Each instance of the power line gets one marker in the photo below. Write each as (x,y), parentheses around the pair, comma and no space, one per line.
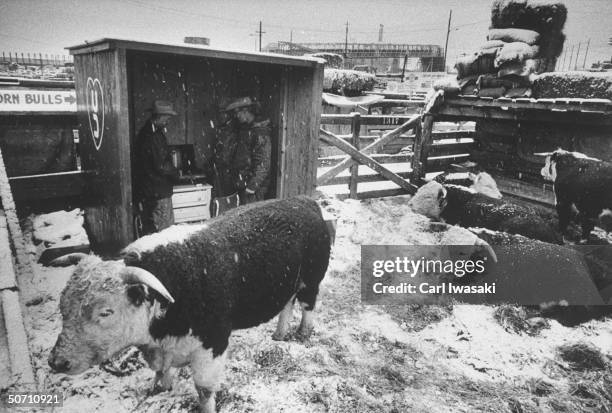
(148,5)
(470,24)
(27,39)
(282,26)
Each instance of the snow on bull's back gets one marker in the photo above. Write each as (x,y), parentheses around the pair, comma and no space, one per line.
(174,233)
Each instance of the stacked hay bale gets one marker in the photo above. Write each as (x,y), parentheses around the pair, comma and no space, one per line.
(347,82)
(585,85)
(525,38)
(547,18)
(332,60)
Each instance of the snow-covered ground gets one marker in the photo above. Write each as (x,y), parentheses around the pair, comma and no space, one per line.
(361,358)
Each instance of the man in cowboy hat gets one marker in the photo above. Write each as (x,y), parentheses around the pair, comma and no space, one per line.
(154,173)
(243,151)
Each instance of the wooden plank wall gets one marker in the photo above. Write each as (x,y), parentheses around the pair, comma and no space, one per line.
(36,144)
(302,114)
(110,220)
(508,146)
(153,77)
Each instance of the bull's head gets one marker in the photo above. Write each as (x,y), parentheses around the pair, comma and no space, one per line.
(429,200)
(483,183)
(559,160)
(549,170)
(106,306)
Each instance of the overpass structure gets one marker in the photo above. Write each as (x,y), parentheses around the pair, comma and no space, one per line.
(382,56)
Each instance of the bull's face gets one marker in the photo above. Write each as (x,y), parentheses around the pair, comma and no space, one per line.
(549,171)
(429,200)
(484,183)
(101,314)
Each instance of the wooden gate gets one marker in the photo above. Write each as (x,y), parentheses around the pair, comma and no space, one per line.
(364,156)
(380,148)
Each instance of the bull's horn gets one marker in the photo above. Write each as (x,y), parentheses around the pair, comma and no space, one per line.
(481,243)
(543,153)
(139,275)
(68,259)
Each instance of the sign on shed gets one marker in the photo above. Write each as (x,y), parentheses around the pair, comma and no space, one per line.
(35,100)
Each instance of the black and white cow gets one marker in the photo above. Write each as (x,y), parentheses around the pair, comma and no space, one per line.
(458,205)
(179,294)
(581,181)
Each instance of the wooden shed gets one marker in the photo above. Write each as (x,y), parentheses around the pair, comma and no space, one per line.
(118,80)
(510,132)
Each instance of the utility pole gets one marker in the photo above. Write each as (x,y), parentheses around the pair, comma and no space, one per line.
(585,53)
(577,54)
(450,14)
(260,33)
(346,43)
(404,68)
(291,37)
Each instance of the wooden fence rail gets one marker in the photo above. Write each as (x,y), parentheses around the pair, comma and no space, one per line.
(361,157)
(367,164)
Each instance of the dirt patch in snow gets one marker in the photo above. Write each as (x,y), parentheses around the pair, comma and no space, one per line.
(361,358)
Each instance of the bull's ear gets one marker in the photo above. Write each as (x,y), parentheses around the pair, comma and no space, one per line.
(137,294)
(441,193)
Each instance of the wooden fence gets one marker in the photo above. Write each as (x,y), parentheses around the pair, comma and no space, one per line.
(35,59)
(384,153)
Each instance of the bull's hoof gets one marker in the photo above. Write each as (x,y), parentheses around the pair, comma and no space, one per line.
(303,334)
(279,336)
(163,382)
(156,389)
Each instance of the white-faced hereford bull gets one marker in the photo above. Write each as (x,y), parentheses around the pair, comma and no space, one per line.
(581,181)
(178,295)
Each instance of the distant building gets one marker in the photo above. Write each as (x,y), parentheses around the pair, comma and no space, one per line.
(382,57)
(203,41)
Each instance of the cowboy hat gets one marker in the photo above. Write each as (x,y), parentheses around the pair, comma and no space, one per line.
(162,107)
(239,103)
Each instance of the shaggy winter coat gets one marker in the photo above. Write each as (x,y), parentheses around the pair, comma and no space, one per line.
(240,270)
(470,209)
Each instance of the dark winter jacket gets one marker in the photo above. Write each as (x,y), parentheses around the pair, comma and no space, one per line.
(243,158)
(153,170)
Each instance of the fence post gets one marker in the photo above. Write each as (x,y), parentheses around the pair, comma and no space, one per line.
(422,145)
(355,128)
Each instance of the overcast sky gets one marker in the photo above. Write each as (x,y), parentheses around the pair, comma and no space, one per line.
(48,26)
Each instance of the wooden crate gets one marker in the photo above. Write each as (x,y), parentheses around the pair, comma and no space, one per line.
(191,203)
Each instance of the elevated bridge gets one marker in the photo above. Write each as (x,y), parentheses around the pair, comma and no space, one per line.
(382,56)
(359,50)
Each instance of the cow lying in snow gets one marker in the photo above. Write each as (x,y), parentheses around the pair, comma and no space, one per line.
(482,182)
(581,181)
(458,205)
(580,275)
(179,299)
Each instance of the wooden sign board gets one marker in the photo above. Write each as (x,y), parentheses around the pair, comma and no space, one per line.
(37,100)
